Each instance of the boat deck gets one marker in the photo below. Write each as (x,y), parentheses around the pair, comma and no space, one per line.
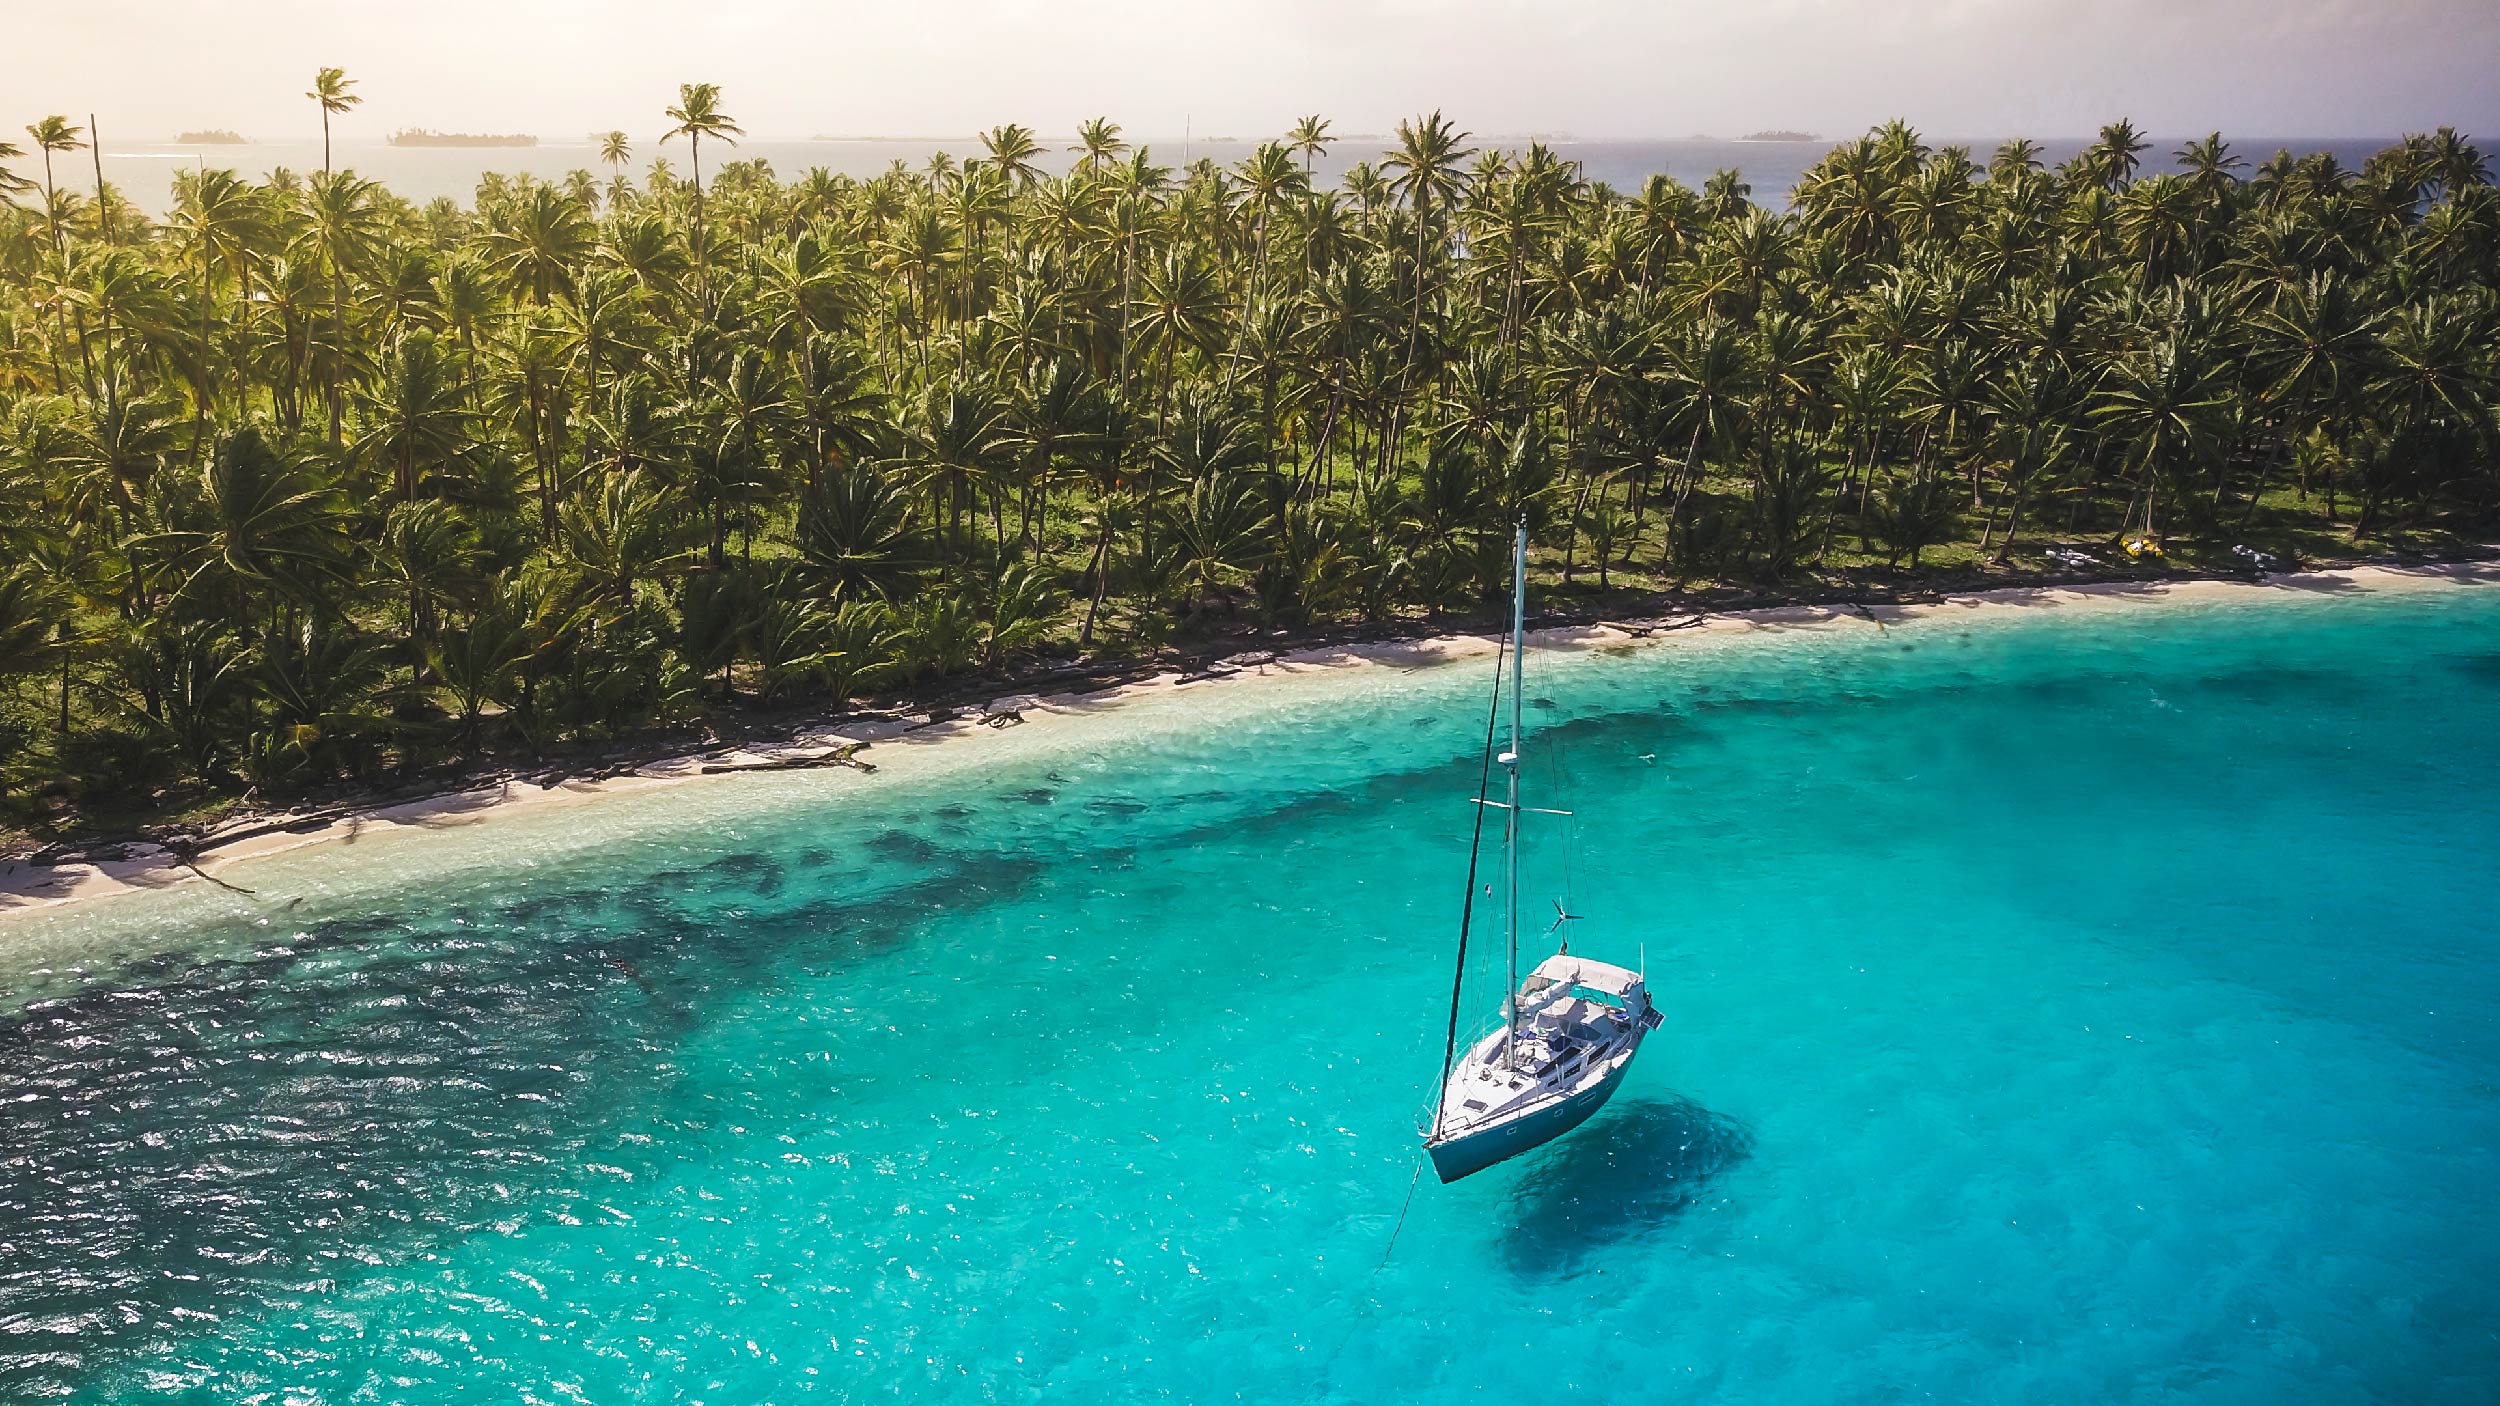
(1577,1023)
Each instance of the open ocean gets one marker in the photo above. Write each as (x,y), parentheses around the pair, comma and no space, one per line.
(2065,1005)
(144,169)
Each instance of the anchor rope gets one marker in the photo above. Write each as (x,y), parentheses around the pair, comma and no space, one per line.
(1355,1322)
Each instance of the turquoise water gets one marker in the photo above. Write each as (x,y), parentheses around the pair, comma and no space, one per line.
(2065,1005)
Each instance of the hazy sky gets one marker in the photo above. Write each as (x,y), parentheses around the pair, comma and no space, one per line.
(1596,68)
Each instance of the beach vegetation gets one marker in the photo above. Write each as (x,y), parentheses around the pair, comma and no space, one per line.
(304,486)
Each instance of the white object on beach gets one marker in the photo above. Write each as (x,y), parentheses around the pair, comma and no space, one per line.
(1568,1032)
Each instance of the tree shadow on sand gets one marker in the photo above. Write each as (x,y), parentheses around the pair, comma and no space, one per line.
(1628,1173)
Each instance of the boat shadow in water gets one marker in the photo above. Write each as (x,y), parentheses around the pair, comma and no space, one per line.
(1632,1170)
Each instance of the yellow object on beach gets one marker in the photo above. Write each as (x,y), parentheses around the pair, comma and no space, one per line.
(2144,546)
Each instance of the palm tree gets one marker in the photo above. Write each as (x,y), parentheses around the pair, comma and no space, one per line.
(12,185)
(54,133)
(1708,378)
(481,665)
(1060,413)
(2431,379)
(1180,305)
(1221,528)
(960,447)
(2113,158)
(1427,162)
(263,530)
(2209,165)
(2014,159)
(415,418)
(2312,347)
(220,219)
(2033,436)
(854,534)
(1268,183)
(1179,397)
(59,134)
(2162,405)
(28,614)
(111,461)
(330,89)
(429,557)
(1099,139)
(697,115)
(344,219)
(1012,149)
(538,241)
(615,150)
(1309,136)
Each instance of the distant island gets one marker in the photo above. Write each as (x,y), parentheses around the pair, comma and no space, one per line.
(418,136)
(1777,134)
(214,136)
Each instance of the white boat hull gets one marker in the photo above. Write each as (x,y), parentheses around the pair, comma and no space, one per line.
(1477,1149)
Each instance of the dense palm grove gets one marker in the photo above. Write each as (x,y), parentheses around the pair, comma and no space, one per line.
(304,482)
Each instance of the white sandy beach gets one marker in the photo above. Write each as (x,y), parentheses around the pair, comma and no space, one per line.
(906,746)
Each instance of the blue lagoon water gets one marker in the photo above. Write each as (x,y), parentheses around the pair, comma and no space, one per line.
(2063,1005)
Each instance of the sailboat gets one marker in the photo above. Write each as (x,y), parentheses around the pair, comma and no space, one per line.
(1567,1033)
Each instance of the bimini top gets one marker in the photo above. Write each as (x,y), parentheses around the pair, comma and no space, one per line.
(1563,969)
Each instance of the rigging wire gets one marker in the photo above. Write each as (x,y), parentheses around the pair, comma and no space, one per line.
(1467,909)
(1567,792)
(1561,786)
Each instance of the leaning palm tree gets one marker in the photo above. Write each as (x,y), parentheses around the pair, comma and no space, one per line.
(330,89)
(697,115)
(12,185)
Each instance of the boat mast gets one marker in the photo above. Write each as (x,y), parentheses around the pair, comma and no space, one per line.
(1510,763)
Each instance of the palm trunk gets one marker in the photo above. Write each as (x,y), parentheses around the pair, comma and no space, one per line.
(1102,575)
(1396,427)
(702,266)
(2013,524)
(1683,495)
(61,639)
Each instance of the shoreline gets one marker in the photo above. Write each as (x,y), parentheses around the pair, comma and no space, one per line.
(35,886)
